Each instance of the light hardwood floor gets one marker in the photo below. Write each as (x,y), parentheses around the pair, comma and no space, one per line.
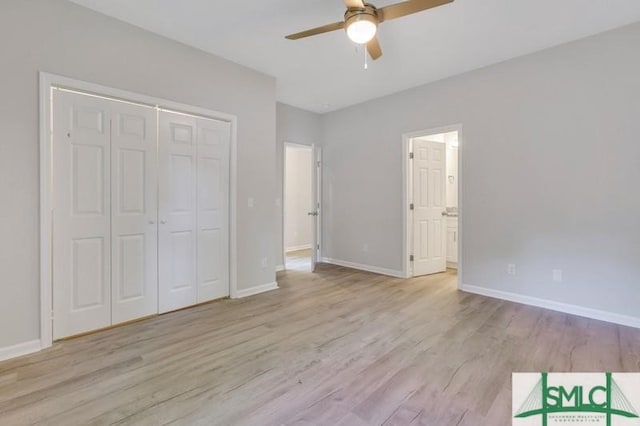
(339,347)
(299,260)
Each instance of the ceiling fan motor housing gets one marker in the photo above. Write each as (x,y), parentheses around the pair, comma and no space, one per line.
(368,13)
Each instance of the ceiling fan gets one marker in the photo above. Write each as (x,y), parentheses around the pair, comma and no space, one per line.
(361,21)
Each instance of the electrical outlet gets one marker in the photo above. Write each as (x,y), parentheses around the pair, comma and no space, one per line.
(250,202)
(265,262)
(365,248)
(511,269)
(557,275)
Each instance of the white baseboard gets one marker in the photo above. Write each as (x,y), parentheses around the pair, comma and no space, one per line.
(246,292)
(555,306)
(20,349)
(296,248)
(361,267)
(280,268)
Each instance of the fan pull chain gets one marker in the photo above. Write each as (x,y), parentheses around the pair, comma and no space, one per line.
(366,65)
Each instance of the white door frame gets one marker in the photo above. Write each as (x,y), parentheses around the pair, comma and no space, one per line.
(316,170)
(49,82)
(406,196)
(316,154)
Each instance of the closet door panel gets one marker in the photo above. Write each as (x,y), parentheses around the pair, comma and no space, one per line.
(177,211)
(81,214)
(134,230)
(213,207)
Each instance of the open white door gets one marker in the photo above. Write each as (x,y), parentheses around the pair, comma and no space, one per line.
(429,205)
(314,212)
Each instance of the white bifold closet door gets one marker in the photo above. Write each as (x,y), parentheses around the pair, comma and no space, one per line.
(134,212)
(213,209)
(193,210)
(104,212)
(82,214)
(140,211)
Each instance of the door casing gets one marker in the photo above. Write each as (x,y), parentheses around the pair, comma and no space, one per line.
(406,196)
(316,191)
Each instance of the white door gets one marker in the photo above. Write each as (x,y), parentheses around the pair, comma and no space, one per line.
(429,223)
(134,205)
(316,194)
(81,214)
(213,138)
(177,211)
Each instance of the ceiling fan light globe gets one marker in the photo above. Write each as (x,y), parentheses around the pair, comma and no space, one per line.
(361,29)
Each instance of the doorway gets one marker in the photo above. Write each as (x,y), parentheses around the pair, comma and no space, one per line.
(301,206)
(431,198)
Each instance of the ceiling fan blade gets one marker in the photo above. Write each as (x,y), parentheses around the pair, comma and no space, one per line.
(408,7)
(354,4)
(374,49)
(320,30)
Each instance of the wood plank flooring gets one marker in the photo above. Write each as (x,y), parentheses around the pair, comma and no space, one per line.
(339,347)
(299,260)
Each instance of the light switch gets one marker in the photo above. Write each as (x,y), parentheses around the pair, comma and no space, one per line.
(250,202)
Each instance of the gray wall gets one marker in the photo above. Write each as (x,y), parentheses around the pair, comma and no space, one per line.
(550,169)
(297,126)
(62,38)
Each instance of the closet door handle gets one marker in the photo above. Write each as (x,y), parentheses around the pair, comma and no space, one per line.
(163,222)
(152,222)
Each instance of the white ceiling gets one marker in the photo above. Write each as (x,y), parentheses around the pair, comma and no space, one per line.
(326,72)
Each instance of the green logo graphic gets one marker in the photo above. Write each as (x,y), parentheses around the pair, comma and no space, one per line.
(608,400)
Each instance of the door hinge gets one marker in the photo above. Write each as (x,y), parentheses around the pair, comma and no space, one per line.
(411,258)
(411,156)
(318,247)
(318,163)
(411,206)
